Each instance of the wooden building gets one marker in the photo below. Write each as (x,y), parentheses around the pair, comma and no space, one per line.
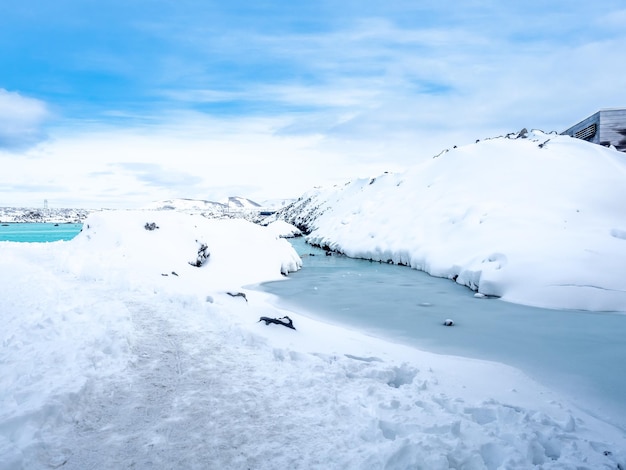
(606,127)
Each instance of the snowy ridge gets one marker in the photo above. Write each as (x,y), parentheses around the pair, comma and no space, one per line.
(532,218)
(229,208)
(183,205)
(241,203)
(232,203)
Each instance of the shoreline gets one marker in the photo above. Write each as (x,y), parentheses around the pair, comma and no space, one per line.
(595,404)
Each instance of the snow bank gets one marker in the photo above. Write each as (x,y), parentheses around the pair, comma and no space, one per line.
(64,320)
(160,249)
(137,345)
(280,228)
(535,218)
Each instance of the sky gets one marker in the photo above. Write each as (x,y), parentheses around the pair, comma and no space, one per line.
(119,104)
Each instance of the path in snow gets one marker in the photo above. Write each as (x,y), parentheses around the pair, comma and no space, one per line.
(189,399)
(202,392)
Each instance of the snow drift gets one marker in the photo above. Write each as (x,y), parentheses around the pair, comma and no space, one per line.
(121,248)
(533,218)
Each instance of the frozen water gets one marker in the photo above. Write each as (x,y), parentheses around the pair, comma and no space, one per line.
(576,352)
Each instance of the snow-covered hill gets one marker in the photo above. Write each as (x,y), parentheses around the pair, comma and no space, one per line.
(232,207)
(235,202)
(193,206)
(532,218)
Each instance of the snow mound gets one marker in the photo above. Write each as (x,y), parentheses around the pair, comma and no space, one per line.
(532,218)
(280,228)
(120,249)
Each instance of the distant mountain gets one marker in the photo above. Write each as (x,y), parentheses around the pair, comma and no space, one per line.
(235,202)
(232,207)
(276,204)
(187,205)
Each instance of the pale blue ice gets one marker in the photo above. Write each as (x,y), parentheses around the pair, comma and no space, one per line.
(579,354)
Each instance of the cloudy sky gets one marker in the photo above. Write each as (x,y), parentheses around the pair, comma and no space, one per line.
(125,102)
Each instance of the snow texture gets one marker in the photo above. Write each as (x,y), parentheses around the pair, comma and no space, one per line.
(536,219)
(283,229)
(117,353)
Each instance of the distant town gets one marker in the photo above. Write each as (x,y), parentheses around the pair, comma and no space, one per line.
(35,215)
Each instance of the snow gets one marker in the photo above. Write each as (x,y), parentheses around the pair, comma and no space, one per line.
(534,218)
(280,228)
(237,202)
(118,352)
(231,207)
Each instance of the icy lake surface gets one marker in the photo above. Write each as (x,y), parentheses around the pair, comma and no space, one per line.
(580,354)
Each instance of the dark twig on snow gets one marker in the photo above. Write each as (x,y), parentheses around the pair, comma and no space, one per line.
(238,294)
(285,321)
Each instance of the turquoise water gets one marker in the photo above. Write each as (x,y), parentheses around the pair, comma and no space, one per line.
(27,232)
(582,354)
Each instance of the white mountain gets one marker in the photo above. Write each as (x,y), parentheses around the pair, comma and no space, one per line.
(231,207)
(188,205)
(240,203)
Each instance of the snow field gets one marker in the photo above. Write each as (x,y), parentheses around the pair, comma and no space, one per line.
(130,368)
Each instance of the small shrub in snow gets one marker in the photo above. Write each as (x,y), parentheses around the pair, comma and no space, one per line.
(150,226)
(203,255)
(238,294)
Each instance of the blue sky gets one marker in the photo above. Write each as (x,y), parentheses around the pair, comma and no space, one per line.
(120,103)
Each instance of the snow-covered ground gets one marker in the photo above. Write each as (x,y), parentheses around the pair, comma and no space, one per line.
(280,228)
(533,218)
(132,346)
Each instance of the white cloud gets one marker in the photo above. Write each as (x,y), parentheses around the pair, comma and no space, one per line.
(189,156)
(21,120)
